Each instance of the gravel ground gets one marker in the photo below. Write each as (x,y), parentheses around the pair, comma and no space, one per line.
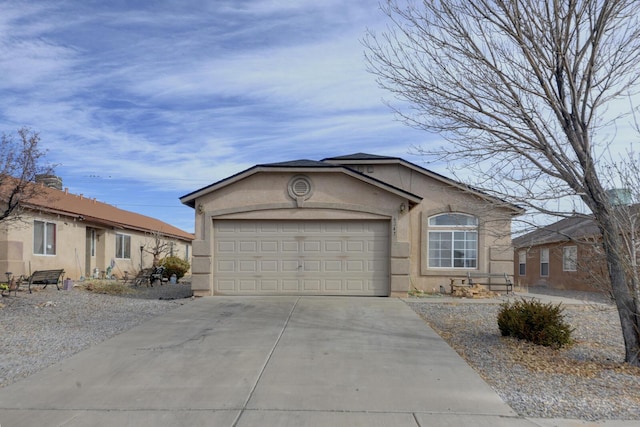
(587,381)
(47,326)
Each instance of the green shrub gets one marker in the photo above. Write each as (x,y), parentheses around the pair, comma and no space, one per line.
(534,321)
(175,265)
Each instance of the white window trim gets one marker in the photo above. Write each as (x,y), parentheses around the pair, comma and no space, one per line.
(522,262)
(93,241)
(565,258)
(44,237)
(544,260)
(453,229)
(116,247)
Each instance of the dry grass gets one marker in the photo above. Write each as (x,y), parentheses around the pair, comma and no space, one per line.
(538,358)
(107,287)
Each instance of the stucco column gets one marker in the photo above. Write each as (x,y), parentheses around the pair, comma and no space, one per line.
(201,278)
(400,269)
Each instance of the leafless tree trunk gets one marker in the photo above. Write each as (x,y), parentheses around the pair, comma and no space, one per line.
(523,91)
(20,162)
(157,246)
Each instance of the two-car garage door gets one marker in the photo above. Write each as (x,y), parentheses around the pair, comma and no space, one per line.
(301,257)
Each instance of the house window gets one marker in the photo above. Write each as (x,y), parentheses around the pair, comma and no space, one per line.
(522,263)
(44,238)
(453,241)
(186,252)
(123,246)
(93,243)
(544,262)
(570,258)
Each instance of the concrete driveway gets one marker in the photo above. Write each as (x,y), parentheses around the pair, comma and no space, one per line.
(264,361)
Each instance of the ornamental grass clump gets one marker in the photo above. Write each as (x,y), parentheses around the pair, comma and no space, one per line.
(539,323)
(108,287)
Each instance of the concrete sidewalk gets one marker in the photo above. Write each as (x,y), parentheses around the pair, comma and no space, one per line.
(265,361)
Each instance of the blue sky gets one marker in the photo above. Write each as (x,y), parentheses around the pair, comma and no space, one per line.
(142,102)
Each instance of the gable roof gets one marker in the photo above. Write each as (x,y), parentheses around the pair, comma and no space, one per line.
(51,200)
(365,158)
(361,156)
(299,166)
(567,229)
(340,163)
(303,163)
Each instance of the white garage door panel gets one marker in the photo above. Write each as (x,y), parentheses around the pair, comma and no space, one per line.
(302,257)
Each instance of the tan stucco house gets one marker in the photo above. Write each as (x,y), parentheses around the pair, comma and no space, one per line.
(87,238)
(360,224)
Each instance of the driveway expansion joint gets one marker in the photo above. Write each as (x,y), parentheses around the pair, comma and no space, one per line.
(264,366)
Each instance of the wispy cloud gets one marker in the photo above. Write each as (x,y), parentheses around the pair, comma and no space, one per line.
(139,102)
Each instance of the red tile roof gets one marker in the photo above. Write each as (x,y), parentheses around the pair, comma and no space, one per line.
(52,200)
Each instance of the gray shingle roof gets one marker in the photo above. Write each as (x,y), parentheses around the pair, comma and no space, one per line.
(302,163)
(567,229)
(362,156)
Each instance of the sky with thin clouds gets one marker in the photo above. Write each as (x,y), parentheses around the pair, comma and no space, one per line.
(139,102)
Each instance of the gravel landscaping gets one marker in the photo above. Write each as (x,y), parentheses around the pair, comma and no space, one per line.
(587,381)
(47,326)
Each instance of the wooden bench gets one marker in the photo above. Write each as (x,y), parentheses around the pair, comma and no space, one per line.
(485,279)
(46,277)
(143,276)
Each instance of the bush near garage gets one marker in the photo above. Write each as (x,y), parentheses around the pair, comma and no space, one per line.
(175,265)
(539,323)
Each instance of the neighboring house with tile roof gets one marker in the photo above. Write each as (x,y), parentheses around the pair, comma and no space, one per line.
(360,224)
(562,255)
(83,236)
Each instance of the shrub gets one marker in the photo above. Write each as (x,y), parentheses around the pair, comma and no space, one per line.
(534,321)
(175,265)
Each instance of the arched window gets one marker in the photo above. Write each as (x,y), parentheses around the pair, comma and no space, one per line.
(453,241)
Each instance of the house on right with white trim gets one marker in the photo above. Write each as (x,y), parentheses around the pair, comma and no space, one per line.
(563,255)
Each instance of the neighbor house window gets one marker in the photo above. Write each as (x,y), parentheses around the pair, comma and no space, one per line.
(522,263)
(186,252)
(44,238)
(123,246)
(570,258)
(544,262)
(453,241)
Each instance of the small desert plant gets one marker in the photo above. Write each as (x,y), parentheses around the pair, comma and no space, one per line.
(175,265)
(107,287)
(534,321)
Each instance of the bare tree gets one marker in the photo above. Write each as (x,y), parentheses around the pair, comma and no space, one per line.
(157,246)
(21,160)
(523,91)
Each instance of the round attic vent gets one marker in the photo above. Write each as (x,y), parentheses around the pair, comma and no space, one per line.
(300,187)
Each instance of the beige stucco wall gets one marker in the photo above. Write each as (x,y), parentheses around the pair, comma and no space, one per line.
(72,252)
(340,196)
(495,254)
(265,196)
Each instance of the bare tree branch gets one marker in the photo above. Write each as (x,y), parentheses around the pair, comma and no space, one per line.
(521,90)
(21,161)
